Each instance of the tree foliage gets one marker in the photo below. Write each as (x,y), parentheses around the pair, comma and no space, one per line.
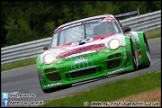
(18,30)
(23,21)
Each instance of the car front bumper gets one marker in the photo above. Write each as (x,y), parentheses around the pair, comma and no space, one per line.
(88,66)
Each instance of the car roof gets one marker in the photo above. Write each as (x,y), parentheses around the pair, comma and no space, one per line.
(84,19)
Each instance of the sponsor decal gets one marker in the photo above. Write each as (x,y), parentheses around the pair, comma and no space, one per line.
(125,55)
(78,60)
(73,24)
(116,71)
(82,69)
(110,19)
(94,47)
(55,84)
(92,21)
(139,54)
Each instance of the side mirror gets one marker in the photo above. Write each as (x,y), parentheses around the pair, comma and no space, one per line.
(53,30)
(46,47)
(126,29)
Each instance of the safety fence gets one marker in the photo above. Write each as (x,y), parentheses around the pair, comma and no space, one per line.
(32,49)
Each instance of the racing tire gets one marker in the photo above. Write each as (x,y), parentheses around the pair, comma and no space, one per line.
(147,54)
(135,64)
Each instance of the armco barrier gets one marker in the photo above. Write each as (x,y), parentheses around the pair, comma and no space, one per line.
(145,22)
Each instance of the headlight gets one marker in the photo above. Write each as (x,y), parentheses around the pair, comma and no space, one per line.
(114,44)
(49,58)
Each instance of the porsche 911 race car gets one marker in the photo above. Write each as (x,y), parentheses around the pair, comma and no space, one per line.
(90,48)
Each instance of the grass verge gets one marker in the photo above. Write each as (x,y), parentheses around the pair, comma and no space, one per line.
(18,64)
(110,91)
(153,34)
(149,35)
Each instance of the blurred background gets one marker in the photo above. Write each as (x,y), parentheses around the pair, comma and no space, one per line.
(23,21)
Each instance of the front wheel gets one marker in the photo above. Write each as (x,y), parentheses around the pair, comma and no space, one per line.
(147,54)
(135,63)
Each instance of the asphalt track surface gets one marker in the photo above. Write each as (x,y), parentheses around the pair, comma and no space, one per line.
(25,80)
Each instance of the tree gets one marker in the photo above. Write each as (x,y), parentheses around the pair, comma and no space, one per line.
(47,27)
(34,19)
(18,31)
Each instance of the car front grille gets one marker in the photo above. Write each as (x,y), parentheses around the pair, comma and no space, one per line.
(114,56)
(53,76)
(113,63)
(49,70)
(83,72)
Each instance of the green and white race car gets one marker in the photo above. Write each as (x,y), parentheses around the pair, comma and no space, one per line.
(91,48)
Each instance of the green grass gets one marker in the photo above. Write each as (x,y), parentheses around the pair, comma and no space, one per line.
(110,91)
(18,64)
(149,35)
(153,34)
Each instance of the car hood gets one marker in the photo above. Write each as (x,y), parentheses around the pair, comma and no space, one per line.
(84,46)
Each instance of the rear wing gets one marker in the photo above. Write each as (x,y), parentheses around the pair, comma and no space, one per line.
(136,12)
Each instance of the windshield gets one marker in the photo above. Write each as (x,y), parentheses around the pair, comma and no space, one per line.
(83,30)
